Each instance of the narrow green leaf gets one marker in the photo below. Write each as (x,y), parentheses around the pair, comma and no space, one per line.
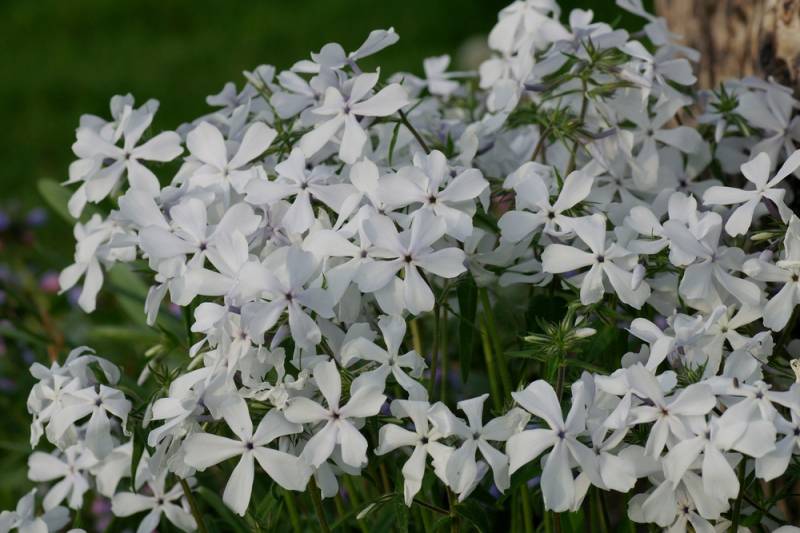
(223,513)
(138,450)
(401,514)
(473,513)
(467,293)
(393,142)
(56,197)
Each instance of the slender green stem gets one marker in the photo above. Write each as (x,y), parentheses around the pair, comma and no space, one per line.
(584,107)
(527,513)
(490,370)
(414,132)
(294,517)
(198,516)
(540,144)
(766,511)
(316,500)
(443,325)
(502,366)
(454,525)
(548,521)
(600,509)
(431,507)
(434,351)
(416,337)
(561,374)
(737,505)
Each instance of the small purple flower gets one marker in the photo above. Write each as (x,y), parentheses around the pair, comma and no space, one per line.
(28,356)
(36,217)
(49,282)
(73,295)
(7,385)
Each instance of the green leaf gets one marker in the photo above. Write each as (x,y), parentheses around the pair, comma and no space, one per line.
(401,514)
(57,197)
(393,142)
(467,293)
(130,291)
(224,514)
(476,515)
(138,450)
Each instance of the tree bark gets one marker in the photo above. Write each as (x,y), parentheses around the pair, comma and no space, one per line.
(739,38)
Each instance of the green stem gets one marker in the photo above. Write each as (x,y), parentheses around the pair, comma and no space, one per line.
(198,517)
(540,144)
(294,517)
(434,351)
(454,525)
(737,505)
(548,521)
(414,132)
(766,511)
(431,507)
(502,366)
(314,492)
(443,393)
(490,370)
(584,107)
(561,373)
(600,508)
(527,513)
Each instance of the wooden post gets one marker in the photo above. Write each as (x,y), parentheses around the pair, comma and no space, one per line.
(739,37)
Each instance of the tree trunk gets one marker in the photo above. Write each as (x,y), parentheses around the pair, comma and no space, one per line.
(739,37)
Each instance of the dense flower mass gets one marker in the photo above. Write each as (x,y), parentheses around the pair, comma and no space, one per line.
(322,225)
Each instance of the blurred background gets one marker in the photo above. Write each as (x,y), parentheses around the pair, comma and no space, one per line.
(62,59)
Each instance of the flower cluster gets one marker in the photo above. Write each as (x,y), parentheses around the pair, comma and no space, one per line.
(313,219)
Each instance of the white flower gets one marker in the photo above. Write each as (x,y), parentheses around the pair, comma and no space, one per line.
(709,262)
(333,56)
(71,471)
(296,180)
(425,439)
(409,251)
(157,502)
(757,172)
(98,402)
(533,207)
(558,487)
(24,518)
(205,449)
(779,308)
(91,145)
(669,414)
(345,112)
(339,426)
(284,279)
(560,258)
(462,470)
(430,184)
(192,234)
(92,247)
(206,143)
(393,329)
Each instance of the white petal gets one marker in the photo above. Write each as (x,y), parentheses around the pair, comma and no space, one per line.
(240,485)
